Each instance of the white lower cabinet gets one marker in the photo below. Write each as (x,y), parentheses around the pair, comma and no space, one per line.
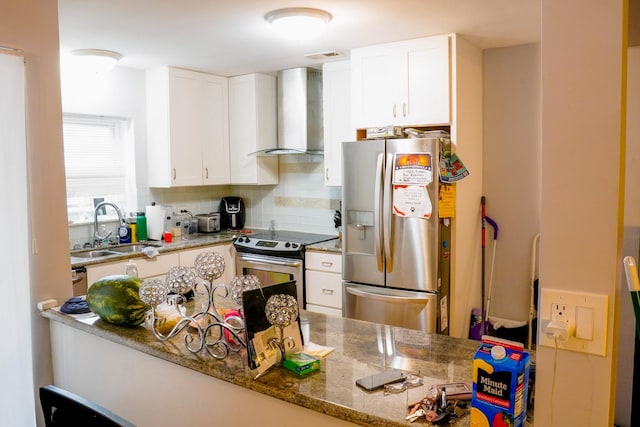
(323,282)
(188,257)
(147,267)
(157,267)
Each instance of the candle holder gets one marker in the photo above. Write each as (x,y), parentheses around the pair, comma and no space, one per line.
(206,329)
(281,311)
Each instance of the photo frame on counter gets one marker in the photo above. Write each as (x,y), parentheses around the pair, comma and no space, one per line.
(253,304)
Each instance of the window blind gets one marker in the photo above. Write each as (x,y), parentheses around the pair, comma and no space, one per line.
(96,159)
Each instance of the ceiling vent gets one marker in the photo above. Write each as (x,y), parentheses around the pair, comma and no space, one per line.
(324,55)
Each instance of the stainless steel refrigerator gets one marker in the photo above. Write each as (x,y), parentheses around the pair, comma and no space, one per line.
(392,265)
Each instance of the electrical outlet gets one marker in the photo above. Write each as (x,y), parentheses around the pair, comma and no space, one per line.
(584,314)
(559,313)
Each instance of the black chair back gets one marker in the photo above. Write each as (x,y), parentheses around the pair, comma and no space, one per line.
(65,409)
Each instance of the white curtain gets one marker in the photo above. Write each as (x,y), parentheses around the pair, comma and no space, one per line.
(17,403)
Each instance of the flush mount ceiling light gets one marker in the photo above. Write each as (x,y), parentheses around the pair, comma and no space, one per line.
(94,61)
(298,23)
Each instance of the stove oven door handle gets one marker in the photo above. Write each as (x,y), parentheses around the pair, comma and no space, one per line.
(252,259)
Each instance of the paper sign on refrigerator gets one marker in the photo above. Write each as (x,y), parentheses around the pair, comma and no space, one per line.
(412,172)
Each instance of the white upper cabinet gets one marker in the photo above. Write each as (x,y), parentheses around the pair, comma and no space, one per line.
(336,99)
(187,128)
(402,83)
(252,127)
(215,114)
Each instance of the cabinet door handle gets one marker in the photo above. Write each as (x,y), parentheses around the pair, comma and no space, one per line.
(206,173)
(404,109)
(174,174)
(327,264)
(326,173)
(394,111)
(327,291)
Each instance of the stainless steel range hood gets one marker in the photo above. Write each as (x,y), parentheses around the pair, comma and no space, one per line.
(299,113)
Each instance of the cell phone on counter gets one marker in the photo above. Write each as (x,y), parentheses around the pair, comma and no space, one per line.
(379,380)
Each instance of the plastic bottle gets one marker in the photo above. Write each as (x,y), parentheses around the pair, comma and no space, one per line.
(132,269)
(134,232)
(141,226)
(124,233)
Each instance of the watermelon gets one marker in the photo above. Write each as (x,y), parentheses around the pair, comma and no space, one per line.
(116,300)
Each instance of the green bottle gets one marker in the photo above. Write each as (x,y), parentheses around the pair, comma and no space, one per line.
(141,226)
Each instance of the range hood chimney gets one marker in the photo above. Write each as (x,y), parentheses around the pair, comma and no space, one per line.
(299,113)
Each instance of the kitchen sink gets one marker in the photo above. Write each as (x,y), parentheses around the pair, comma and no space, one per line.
(127,248)
(92,253)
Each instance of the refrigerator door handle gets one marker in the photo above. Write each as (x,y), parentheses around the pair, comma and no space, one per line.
(377,212)
(388,214)
(386,297)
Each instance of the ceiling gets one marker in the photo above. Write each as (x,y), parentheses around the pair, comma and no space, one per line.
(231,37)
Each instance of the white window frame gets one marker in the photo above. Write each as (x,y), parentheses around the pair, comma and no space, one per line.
(120,163)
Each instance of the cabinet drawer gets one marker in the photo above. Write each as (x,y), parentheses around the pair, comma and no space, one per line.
(324,310)
(147,267)
(324,261)
(324,289)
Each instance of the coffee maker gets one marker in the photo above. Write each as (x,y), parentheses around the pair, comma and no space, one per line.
(231,213)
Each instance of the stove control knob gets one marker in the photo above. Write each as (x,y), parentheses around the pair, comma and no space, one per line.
(294,245)
(286,245)
(239,239)
(247,240)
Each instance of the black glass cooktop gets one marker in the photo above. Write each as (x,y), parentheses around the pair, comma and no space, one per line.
(291,236)
(282,243)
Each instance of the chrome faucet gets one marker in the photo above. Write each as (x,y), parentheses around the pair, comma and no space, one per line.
(99,237)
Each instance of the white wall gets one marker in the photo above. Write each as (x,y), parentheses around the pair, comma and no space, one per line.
(624,377)
(511,141)
(32,25)
(120,93)
(300,201)
(582,59)
(511,181)
(15,370)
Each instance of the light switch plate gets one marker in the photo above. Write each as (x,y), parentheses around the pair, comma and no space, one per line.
(599,303)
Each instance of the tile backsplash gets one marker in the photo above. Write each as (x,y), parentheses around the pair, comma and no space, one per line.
(299,202)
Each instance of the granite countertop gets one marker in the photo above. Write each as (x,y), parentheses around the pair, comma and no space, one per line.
(192,242)
(360,349)
(334,245)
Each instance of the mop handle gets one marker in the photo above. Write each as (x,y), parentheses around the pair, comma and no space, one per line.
(494,225)
(484,222)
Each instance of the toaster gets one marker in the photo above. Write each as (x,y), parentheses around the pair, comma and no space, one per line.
(208,223)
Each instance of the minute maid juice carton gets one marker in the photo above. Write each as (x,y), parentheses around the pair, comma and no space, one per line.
(500,384)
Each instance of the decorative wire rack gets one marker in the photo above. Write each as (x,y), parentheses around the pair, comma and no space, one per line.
(207,329)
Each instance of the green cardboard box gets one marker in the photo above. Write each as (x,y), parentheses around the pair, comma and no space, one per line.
(301,363)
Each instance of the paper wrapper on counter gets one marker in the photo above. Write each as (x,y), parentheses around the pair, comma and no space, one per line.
(155,221)
(316,350)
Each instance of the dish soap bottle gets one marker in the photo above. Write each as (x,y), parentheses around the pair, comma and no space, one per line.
(124,233)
